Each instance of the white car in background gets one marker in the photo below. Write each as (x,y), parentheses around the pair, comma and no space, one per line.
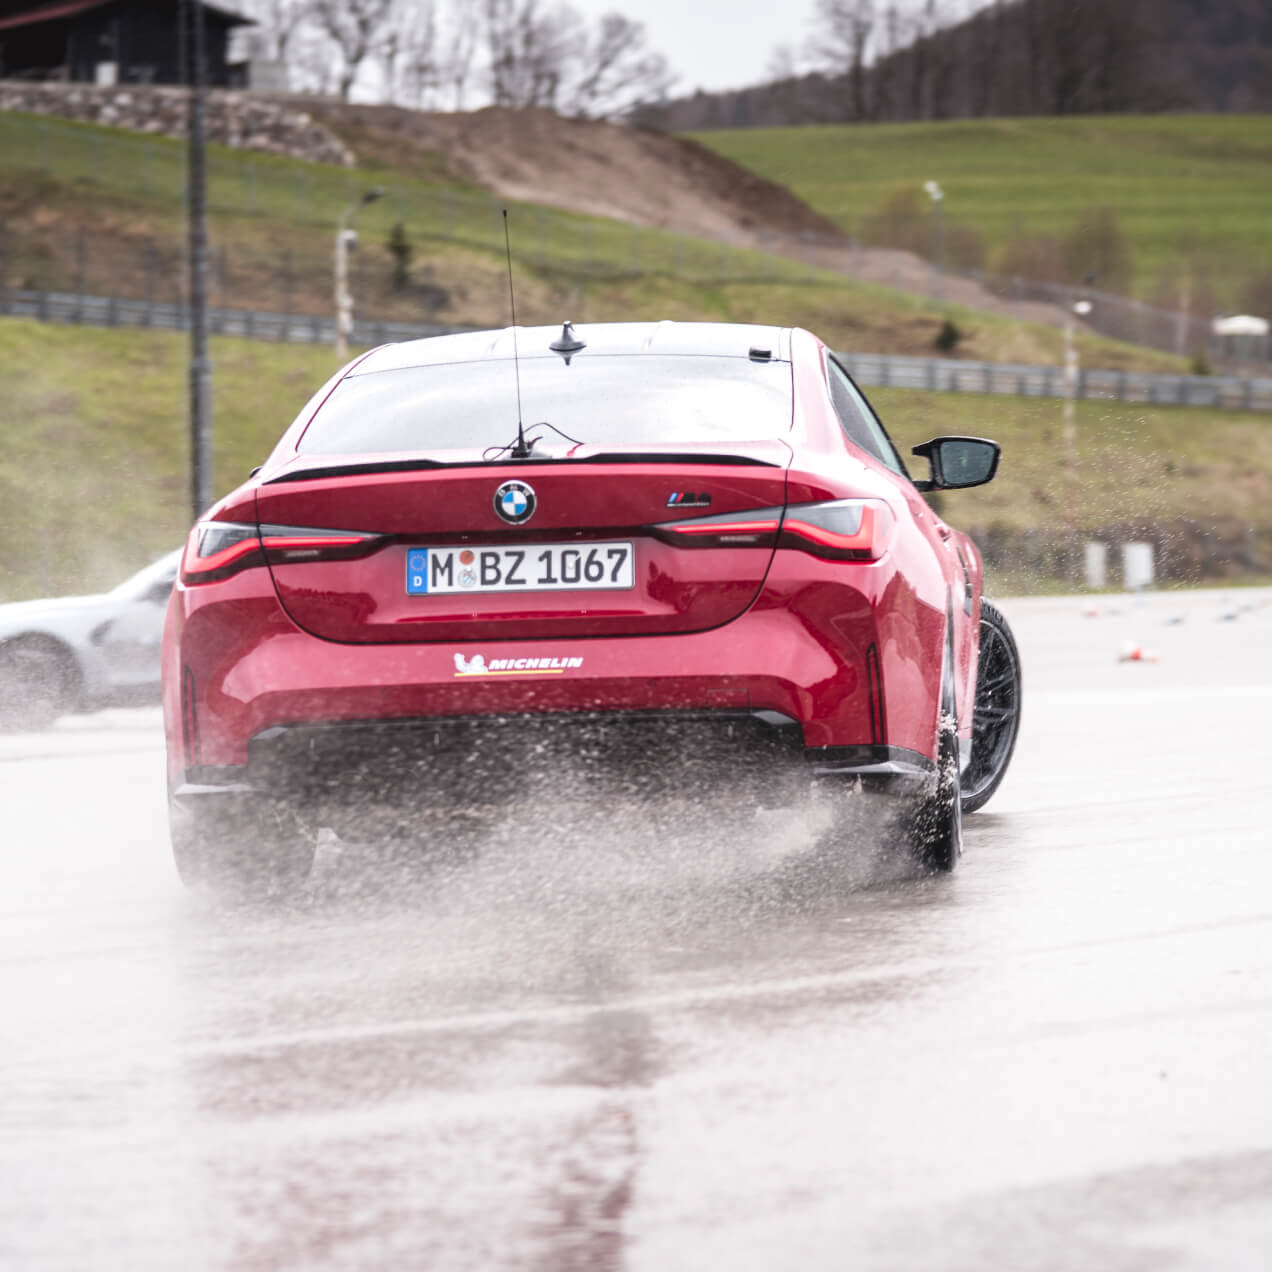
(79,653)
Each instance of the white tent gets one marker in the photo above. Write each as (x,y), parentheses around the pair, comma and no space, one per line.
(1240,325)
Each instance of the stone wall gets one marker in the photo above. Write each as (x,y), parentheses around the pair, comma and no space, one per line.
(235,119)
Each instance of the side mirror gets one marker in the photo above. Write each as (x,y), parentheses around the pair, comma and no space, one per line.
(958,462)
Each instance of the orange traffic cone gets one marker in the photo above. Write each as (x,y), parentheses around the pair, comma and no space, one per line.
(1131,652)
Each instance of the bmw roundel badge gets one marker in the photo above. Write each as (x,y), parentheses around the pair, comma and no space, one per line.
(515,502)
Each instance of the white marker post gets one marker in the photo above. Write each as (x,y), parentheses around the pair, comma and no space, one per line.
(1137,566)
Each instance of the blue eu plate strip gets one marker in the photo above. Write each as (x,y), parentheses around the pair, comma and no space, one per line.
(417,572)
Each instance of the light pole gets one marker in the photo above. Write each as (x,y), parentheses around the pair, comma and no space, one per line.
(194,57)
(346,238)
(937,195)
(1080,308)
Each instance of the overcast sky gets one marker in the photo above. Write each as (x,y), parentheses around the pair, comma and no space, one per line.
(714,44)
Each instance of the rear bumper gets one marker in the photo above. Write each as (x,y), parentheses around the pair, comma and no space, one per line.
(754,757)
(852,672)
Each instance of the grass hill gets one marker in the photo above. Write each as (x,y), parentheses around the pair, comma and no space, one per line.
(93,470)
(84,207)
(1190,192)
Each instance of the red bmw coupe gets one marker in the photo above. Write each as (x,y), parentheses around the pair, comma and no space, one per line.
(624,555)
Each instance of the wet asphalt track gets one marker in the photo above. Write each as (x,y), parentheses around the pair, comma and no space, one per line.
(620,1044)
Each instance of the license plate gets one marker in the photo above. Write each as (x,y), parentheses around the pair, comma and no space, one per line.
(538,567)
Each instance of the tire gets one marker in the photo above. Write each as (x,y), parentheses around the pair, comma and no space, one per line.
(996,715)
(936,824)
(39,681)
(241,850)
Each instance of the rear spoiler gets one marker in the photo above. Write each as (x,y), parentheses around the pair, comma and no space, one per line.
(608,457)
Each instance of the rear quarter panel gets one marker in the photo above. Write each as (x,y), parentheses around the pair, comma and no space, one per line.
(909,593)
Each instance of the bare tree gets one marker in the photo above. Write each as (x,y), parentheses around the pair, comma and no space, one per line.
(530,51)
(987,32)
(280,33)
(458,48)
(783,63)
(945,93)
(922,26)
(357,29)
(412,56)
(616,70)
(843,43)
(886,97)
(310,65)
(956,58)
(276,25)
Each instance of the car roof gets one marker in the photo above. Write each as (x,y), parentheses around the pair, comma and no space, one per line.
(703,339)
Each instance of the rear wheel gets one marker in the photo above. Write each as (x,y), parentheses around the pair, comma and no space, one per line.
(39,681)
(936,822)
(241,850)
(996,715)
(928,824)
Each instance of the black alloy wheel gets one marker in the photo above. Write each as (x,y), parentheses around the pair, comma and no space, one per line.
(936,826)
(996,714)
(936,821)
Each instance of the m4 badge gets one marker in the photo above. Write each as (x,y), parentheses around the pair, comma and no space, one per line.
(686,499)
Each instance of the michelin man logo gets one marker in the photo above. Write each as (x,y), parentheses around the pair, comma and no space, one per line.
(544,665)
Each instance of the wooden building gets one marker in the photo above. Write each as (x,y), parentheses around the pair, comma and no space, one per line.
(107,41)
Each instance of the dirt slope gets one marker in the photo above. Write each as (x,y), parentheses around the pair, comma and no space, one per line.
(630,174)
(644,177)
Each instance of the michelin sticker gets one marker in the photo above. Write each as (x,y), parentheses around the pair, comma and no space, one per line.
(478,666)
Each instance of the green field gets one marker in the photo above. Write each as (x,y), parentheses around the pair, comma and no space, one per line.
(1185,188)
(101,210)
(93,471)
(1197,482)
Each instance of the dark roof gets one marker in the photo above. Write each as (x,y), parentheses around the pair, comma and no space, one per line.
(70,8)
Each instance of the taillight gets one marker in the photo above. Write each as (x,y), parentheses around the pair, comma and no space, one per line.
(842,530)
(839,530)
(218,549)
(754,529)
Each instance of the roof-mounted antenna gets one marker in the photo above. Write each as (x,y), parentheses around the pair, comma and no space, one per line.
(520,450)
(567,344)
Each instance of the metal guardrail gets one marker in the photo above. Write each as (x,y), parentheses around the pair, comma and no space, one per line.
(939,375)
(254,324)
(1022,380)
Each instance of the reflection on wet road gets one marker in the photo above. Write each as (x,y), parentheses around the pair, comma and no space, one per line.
(633,1038)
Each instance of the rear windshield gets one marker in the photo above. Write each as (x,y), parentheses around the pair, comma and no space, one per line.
(599,401)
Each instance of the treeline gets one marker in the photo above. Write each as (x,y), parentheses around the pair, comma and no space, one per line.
(875,61)
(448,54)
